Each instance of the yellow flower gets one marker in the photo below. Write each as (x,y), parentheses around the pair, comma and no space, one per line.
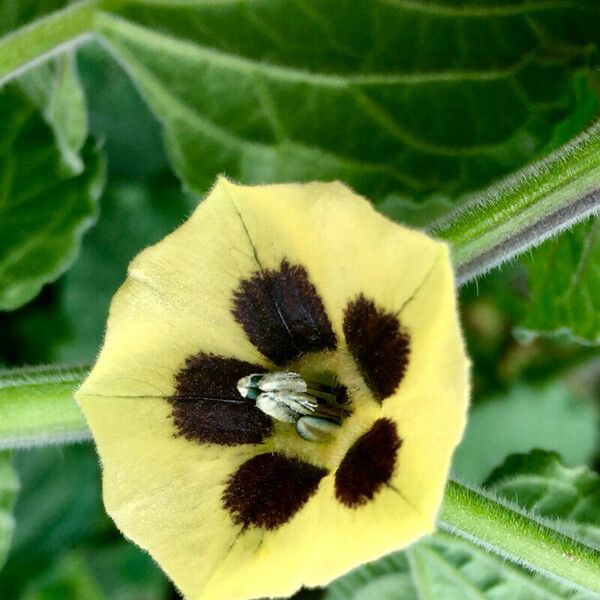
(281,387)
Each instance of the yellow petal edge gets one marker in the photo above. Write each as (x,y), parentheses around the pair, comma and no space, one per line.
(164,492)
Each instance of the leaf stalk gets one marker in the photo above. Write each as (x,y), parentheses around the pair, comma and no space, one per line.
(524,209)
(507,530)
(45,37)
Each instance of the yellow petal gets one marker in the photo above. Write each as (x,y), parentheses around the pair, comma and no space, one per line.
(166,491)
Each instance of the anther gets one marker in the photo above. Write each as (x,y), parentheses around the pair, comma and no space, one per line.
(286,396)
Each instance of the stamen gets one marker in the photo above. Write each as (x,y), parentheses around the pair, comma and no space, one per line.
(282,380)
(315,429)
(278,410)
(248,386)
(314,407)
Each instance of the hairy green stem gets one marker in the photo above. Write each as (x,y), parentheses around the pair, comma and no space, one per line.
(525,209)
(37,406)
(502,528)
(45,37)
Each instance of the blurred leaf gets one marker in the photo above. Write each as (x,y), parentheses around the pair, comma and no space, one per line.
(386,579)
(8,492)
(48,190)
(448,568)
(415,214)
(490,308)
(118,115)
(550,418)
(388,96)
(442,566)
(55,90)
(564,281)
(124,572)
(87,289)
(59,506)
(69,579)
(543,484)
(116,571)
(73,313)
(16,14)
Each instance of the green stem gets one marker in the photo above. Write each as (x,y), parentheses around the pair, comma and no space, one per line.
(499,527)
(44,37)
(37,407)
(525,209)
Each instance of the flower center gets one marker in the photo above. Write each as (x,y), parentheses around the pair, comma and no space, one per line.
(316,409)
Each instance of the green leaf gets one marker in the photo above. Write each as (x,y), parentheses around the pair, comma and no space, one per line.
(99,270)
(388,579)
(102,265)
(16,14)
(569,497)
(388,96)
(69,579)
(59,507)
(550,417)
(8,492)
(448,568)
(49,183)
(443,566)
(564,286)
(55,90)
(31,31)
(125,572)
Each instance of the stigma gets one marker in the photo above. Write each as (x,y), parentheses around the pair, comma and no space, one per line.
(316,409)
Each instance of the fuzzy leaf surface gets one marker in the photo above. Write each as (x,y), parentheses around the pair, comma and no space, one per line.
(8,492)
(50,180)
(564,285)
(550,417)
(388,96)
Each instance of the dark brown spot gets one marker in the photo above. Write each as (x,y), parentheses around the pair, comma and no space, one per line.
(207,406)
(282,313)
(368,464)
(269,489)
(378,345)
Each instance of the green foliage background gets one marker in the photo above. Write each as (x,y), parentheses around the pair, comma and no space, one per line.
(415,104)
